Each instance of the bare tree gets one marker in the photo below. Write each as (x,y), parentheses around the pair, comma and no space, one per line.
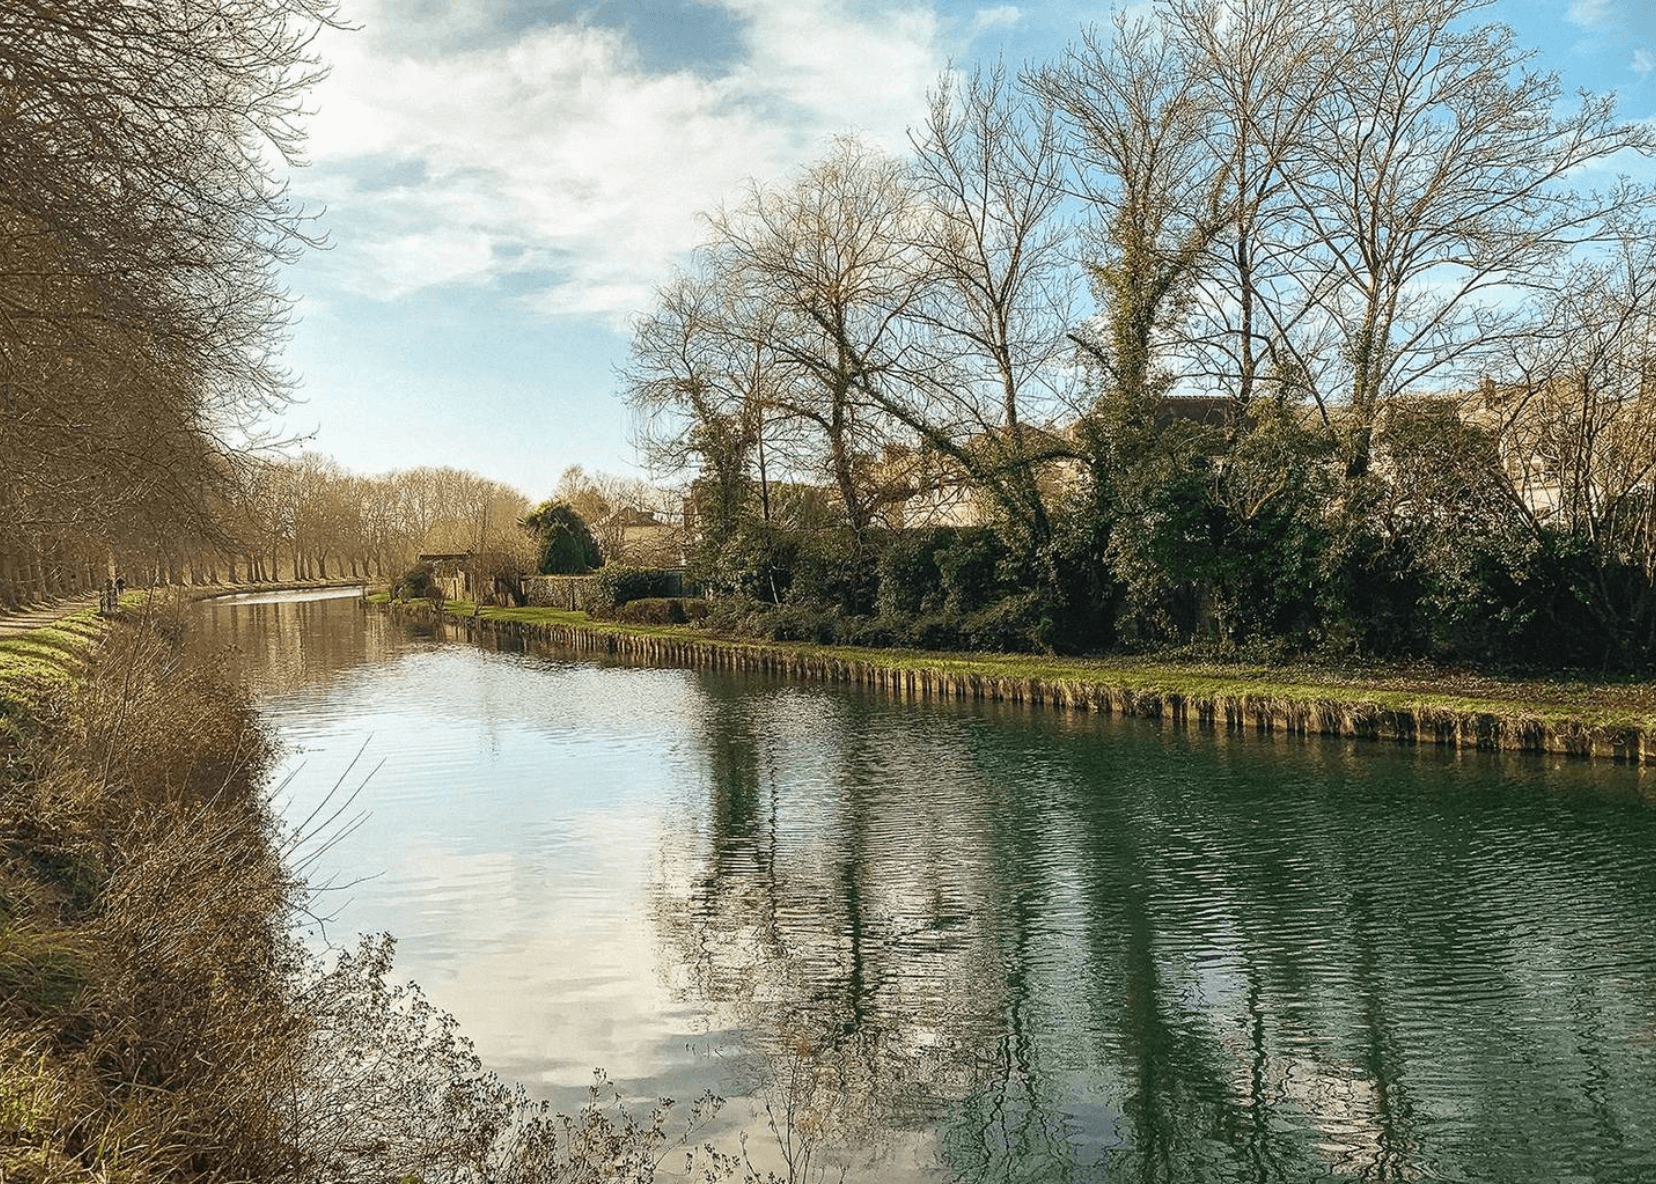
(1259,70)
(1140,142)
(1434,183)
(829,284)
(1577,419)
(141,221)
(701,392)
(990,167)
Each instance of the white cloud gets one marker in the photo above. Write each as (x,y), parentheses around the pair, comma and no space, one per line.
(1616,22)
(1004,16)
(1589,14)
(557,153)
(1644,61)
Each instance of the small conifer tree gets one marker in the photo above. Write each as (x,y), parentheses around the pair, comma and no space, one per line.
(567,547)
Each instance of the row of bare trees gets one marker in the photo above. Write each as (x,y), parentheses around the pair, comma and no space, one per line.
(1342,201)
(143,216)
(311,519)
(1315,212)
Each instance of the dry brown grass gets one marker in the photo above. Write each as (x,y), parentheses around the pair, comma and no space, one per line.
(159,1019)
(146,907)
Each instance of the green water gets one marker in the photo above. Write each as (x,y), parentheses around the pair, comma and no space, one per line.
(976,943)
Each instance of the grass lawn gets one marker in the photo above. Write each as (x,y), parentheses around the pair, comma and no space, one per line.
(34,664)
(1557,701)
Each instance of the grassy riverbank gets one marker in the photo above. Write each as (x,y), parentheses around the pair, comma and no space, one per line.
(40,663)
(143,1018)
(162,1015)
(1609,719)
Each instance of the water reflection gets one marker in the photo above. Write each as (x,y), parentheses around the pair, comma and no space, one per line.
(1085,950)
(991,944)
(289,639)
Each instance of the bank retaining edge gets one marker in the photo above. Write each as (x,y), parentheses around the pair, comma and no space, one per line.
(1483,730)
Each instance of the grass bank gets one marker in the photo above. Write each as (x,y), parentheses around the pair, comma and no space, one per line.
(1412,705)
(162,1017)
(40,664)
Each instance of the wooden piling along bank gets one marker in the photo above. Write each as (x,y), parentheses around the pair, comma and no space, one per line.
(1490,731)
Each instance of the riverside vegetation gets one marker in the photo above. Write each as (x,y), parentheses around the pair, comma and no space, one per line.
(1364,375)
(162,1016)
(1401,702)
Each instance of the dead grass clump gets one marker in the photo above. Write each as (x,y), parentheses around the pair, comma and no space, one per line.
(144,960)
(394,1091)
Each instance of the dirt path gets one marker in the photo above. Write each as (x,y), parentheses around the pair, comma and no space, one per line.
(13,624)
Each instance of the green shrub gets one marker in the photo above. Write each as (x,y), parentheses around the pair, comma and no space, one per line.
(909,579)
(884,631)
(936,631)
(650,610)
(836,567)
(415,583)
(567,546)
(969,567)
(811,623)
(1015,624)
(615,586)
(728,614)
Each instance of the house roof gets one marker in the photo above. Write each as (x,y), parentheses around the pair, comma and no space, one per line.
(1214,411)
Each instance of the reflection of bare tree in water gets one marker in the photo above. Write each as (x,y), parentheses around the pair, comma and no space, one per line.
(1219,1088)
(861,964)
(908,978)
(283,646)
(1066,962)
(1009,1127)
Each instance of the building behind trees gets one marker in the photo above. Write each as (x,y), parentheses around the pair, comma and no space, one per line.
(1361,234)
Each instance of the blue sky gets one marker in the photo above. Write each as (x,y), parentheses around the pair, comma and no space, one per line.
(506,182)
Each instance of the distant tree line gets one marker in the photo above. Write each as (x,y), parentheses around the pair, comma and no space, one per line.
(1277,326)
(307,518)
(311,519)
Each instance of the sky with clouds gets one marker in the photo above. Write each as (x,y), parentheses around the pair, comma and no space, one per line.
(506,181)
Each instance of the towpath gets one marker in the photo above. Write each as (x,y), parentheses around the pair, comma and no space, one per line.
(39,616)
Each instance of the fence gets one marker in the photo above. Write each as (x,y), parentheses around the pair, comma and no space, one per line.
(575,592)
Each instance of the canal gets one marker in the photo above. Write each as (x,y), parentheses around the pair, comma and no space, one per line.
(977,942)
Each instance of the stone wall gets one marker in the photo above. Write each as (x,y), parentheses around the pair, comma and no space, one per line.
(566,592)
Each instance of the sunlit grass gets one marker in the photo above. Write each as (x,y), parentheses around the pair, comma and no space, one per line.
(39,662)
(1558,703)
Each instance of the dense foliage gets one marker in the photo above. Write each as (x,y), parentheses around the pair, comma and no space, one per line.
(1312,409)
(1255,545)
(567,547)
(615,586)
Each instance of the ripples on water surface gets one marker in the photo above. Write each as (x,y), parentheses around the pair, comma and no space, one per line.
(1012,945)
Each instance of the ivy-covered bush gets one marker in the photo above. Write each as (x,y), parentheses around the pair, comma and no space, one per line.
(837,568)
(415,583)
(651,610)
(969,569)
(567,547)
(909,578)
(1014,624)
(613,587)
